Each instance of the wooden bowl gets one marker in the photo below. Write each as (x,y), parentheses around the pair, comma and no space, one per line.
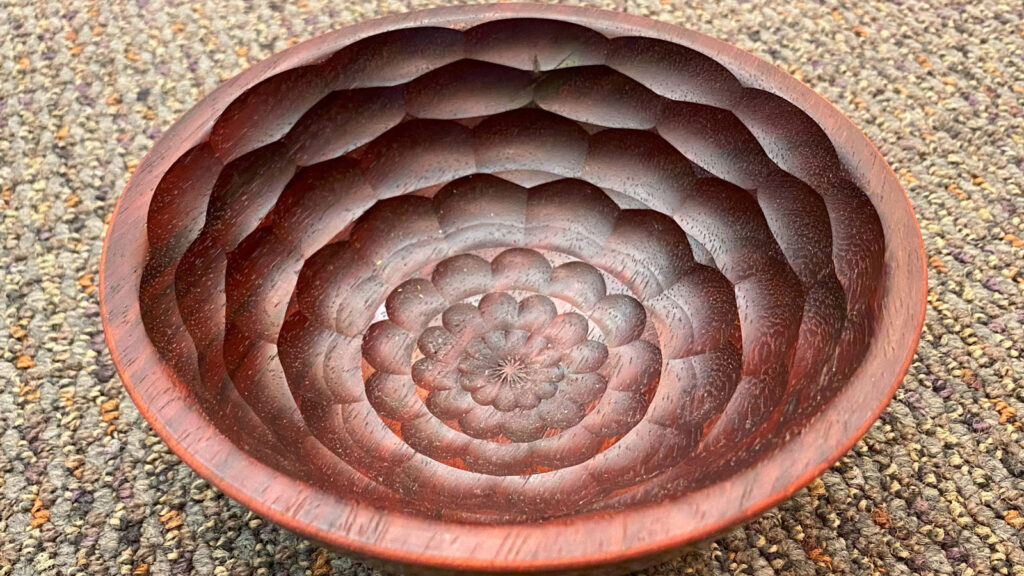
(512,288)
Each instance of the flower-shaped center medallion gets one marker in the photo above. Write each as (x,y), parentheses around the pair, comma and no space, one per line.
(516,377)
(511,365)
(522,368)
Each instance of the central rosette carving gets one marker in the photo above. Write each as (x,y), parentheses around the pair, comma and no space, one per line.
(521,367)
(511,366)
(508,369)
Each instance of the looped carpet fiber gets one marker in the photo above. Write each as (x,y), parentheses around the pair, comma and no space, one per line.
(85,88)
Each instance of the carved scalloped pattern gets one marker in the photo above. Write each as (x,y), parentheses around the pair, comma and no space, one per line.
(512,272)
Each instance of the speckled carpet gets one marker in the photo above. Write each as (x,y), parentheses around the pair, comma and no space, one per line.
(934,488)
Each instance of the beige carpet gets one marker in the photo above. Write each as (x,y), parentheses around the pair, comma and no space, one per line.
(85,87)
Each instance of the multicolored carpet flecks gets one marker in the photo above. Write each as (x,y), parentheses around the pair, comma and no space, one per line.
(936,486)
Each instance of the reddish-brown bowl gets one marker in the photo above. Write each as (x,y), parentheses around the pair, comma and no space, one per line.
(512,288)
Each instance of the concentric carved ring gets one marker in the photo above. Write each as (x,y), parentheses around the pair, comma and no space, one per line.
(510,270)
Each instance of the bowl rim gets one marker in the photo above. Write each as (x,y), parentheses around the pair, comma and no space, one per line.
(573,542)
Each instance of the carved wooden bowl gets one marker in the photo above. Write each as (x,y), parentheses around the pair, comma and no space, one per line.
(512,288)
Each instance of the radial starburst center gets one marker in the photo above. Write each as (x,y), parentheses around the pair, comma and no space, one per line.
(512,370)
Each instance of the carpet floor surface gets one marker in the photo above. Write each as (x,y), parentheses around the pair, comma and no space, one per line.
(936,486)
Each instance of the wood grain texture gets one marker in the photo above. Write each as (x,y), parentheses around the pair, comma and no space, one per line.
(512,288)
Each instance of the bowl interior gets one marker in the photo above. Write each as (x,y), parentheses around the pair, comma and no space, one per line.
(510,272)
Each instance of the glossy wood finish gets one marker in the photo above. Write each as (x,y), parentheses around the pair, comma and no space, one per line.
(512,288)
